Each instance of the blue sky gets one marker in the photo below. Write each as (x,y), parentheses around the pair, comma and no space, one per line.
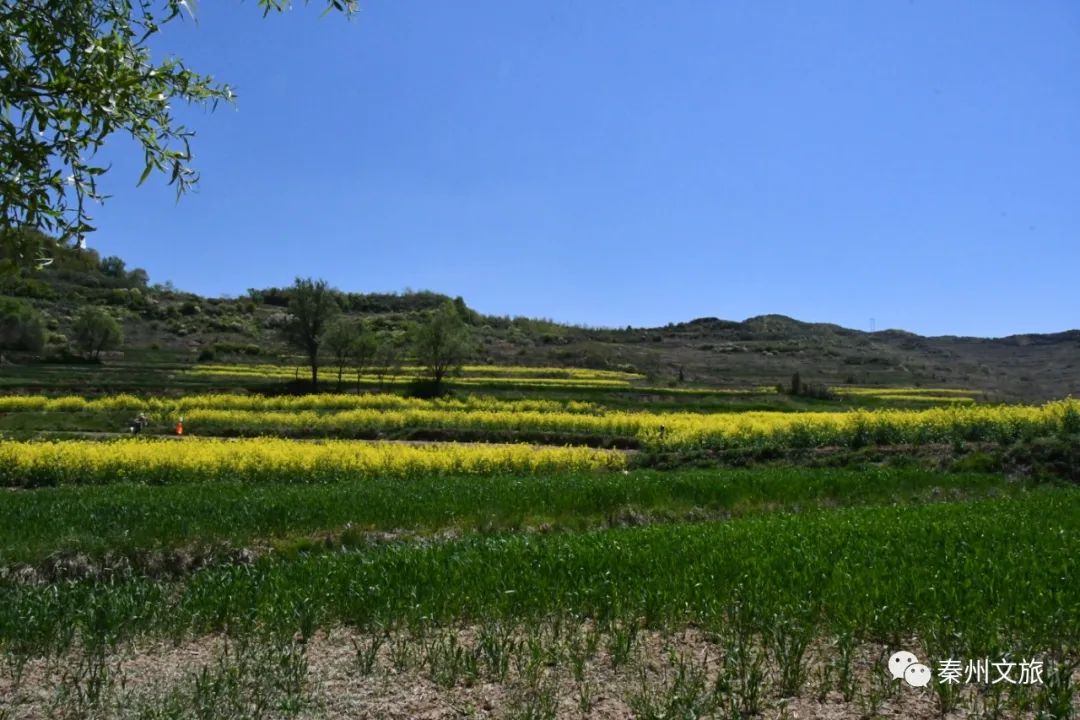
(627,163)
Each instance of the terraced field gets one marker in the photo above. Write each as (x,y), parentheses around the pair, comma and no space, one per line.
(571,560)
(391,416)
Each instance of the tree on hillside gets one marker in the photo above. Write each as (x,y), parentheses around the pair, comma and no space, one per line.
(311,308)
(388,357)
(364,348)
(441,343)
(96,330)
(21,327)
(113,267)
(72,74)
(470,316)
(341,336)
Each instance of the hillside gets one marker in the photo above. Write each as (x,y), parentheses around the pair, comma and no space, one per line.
(165,323)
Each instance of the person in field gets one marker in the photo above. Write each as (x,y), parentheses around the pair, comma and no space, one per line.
(140,422)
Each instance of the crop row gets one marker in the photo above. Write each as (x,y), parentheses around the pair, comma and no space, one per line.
(966,579)
(905,391)
(365,416)
(470,375)
(1003,424)
(518,371)
(286,403)
(32,464)
(928,399)
(133,518)
(940,396)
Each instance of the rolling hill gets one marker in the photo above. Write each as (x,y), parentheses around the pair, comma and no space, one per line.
(765,350)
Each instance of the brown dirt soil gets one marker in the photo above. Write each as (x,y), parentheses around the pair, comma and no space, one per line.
(540,681)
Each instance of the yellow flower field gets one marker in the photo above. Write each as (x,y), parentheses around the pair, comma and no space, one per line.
(1000,423)
(912,391)
(366,416)
(276,460)
(470,375)
(911,394)
(286,403)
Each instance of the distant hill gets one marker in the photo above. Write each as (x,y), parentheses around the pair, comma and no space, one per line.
(765,349)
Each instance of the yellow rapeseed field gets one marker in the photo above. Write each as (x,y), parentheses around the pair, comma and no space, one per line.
(889,391)
(277,460)
(372,415)
(470,375)
(285,403)
(1001,423)
(910,394)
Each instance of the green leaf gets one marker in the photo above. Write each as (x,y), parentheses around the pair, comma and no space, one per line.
(145,174)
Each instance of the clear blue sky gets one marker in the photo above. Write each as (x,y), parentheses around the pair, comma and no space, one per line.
(610,162)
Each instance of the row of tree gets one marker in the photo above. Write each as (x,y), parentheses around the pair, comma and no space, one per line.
(439,343)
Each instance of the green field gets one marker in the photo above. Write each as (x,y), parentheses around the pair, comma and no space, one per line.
(279,576)
(129,518)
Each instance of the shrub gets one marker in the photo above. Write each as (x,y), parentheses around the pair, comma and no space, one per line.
(118,296)
(818,391)
(1046,457)
(231,348)
(28,288)
(21,327)
(425,388)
